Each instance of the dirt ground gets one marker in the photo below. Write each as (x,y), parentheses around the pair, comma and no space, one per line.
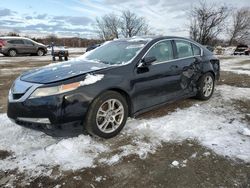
(206,169)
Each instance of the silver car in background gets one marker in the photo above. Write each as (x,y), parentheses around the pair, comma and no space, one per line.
(13,46)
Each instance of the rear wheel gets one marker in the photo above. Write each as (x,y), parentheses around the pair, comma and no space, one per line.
(40,52)
(12,53)
(107,115)
(206,86)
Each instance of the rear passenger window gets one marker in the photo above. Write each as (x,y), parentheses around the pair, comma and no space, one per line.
(196,50)
(16,42)
(162,51)
(184,49)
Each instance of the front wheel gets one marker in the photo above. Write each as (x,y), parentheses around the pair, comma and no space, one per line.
(40,52)
(205,86)
(107,115)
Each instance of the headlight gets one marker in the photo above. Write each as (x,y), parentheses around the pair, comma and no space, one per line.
(47,91)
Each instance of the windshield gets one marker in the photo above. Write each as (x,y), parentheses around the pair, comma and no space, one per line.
(116,52)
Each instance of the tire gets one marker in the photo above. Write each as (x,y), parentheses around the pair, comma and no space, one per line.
(101,115)
(12,53)
(40,52)
(205,86)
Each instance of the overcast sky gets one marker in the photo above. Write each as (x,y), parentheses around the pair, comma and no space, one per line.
(77,17)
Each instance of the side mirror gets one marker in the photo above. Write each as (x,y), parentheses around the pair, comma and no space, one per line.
(146,61)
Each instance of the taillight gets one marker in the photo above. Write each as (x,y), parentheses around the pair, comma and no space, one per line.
(2,43)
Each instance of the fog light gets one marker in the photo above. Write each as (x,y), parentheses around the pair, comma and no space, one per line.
(35,120)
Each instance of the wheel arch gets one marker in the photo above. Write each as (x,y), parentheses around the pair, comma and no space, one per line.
(126,96)
(205,72)
(13,49)
(210,71)
(40,48)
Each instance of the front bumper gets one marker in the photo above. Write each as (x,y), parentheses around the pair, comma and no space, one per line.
(58,130)
(57,115)
(2,51)
(53,118)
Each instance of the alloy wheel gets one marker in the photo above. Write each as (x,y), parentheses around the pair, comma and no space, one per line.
(110,116)
(12,53)
(40,53)
(208,86)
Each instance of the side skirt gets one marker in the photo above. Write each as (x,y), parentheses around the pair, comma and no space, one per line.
(161,104)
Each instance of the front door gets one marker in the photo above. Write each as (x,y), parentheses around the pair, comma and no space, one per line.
(159,82)
(29,47)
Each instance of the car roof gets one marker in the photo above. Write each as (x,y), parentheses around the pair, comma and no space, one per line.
(154,38)
(9,37)
(242,45)
(151,38)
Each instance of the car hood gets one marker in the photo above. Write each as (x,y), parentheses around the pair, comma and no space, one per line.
(61,71)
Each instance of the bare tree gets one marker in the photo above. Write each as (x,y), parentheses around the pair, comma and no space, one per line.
(108,26)
(128,24)
(13,34)
(132,24)
(207,21)
(239,31)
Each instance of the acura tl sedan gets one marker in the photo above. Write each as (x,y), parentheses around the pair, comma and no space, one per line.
(97,92)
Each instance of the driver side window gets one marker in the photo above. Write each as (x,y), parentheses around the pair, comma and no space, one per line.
(162,51)
(27,42)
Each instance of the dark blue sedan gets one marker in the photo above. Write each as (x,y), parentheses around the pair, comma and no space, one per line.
(98,91)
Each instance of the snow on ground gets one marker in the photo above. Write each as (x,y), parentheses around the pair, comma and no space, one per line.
(12,71)
(233,64)
(215,124)
(70,50)
(76,50)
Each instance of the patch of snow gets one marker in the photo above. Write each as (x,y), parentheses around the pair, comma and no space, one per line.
(76,50)
(234,64)
(175,163)
(34,150)
(230,92)
(245,131)
(91,79)
(98,179)
(113,160)
(206,154)
(194,155)
(70,50)
(11,71)
(78,178)
(208,123)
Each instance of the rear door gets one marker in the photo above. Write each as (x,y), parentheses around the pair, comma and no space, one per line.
(17,44)
(189,67)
